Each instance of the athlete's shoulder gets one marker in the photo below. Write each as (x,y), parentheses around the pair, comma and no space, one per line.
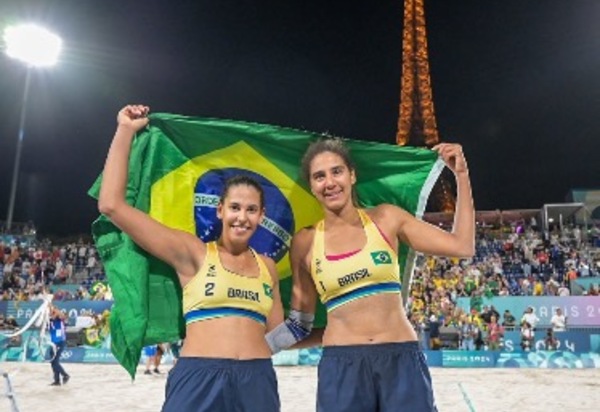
(307,232)
(270,265)
(385,211)
(303,239)
(389,218)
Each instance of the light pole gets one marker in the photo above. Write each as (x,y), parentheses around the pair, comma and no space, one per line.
(36,47)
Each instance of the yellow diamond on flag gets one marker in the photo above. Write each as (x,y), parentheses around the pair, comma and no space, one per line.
(174,198)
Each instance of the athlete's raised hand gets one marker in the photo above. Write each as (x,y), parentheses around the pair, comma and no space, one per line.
(134,117)
(453,156)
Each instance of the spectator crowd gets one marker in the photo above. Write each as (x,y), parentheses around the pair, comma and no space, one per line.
(70,271)
(511,260)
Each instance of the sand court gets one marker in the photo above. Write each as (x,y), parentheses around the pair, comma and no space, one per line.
(108,388)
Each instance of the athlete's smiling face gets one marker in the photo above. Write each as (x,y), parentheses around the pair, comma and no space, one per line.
(241,211)
(331,180)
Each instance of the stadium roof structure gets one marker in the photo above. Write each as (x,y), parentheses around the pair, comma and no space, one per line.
(555,210)
(486,217)
(547,215)
(589,197)
(561,212)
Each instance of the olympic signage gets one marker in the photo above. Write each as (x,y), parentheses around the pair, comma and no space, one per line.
(577,341)
(579,310)
(23,311)
(470,359)
(73,355)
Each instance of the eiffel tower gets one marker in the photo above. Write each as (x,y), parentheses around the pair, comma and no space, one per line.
(416,123)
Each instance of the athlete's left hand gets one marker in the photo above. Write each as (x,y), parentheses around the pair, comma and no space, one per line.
(453,156)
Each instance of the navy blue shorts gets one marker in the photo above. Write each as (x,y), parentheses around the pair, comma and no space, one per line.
(221,385)
(374,378)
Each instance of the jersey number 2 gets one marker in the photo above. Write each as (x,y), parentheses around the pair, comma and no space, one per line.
(209,289)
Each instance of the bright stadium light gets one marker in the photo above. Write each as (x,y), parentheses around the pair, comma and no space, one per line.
(36,47)
(32,44)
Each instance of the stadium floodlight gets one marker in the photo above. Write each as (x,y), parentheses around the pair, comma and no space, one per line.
(32,44)
(36,47)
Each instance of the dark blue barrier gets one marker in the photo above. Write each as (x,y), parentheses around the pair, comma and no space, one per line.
(544,359)
(73,355)
(579,341)
(451,359)
(99,356)
(434,358)
(467,359)
(87,355)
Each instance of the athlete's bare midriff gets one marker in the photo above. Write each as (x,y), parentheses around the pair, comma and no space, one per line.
(370,320)
(229,337)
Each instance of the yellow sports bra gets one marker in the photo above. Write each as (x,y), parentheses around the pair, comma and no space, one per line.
(215,292)
(370,271)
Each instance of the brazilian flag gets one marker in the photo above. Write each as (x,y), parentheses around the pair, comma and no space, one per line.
(177,169)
